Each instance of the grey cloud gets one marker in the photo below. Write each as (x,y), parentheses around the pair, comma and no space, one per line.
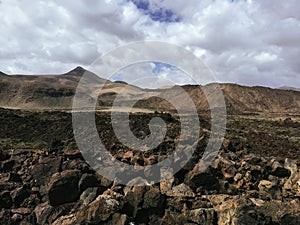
(250,42)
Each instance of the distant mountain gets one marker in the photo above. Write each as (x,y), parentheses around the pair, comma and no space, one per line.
(289,88)
(260,99)
(238,99)
(41,91)
(2,74)
(57,92)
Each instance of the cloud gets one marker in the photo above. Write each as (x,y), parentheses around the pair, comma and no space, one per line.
(243,41)
(153,75)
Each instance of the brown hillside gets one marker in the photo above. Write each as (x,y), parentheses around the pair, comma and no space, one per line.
(57,91)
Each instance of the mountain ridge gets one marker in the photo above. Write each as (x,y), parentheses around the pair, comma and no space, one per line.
(57,92)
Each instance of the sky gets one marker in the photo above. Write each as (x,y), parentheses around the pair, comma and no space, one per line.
(249,42)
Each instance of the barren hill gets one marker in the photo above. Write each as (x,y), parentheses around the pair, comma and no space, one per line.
(260,99)
(40,91)
(57,91)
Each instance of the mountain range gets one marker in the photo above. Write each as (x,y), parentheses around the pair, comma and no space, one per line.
(37,92)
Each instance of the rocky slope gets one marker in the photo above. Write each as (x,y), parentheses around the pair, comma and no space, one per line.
(45,180)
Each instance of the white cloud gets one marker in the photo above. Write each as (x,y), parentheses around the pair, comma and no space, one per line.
(248,42)
(265,57)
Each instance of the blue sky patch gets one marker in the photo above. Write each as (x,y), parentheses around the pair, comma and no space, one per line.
(117,77)
(141,4)
(160,14)
(160,67)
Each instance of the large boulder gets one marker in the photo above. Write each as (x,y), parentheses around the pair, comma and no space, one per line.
(238,210)
(267,189)
(6,200)
(290,219)
(66,220)
(19,195)
(152,198)
(42,212)
(45,168)
(278,170)
(118,219)
(181,190)
(202,180)
(292,185)
(98,211)
(134,198)
(88,180)
(89,195)
(63,187)
(201,216)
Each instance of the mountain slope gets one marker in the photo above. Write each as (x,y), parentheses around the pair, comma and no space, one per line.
(260,99)
(238,99)
(41,91)
(57,91)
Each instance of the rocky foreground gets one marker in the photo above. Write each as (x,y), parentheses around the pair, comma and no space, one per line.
(45,180)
